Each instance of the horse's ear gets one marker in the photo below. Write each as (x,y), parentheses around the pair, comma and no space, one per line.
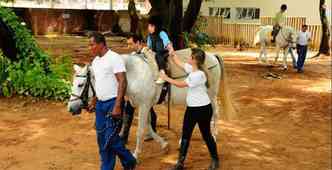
(85,69)
(77,68)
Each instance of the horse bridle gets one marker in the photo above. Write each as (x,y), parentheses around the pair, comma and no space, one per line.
(84,94)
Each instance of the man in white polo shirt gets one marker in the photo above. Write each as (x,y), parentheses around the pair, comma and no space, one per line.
(109,70)
(302,47)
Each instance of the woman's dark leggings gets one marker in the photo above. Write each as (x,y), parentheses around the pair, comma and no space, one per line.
(202,116)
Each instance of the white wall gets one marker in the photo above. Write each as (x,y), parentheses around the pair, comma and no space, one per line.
(296,8)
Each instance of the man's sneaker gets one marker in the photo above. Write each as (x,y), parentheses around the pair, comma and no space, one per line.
(299,71)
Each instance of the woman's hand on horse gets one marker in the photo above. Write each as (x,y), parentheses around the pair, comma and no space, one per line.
(172,53)
(170,49)
(163,75)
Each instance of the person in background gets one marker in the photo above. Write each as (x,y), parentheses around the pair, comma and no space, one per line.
(303,38)
(279,21)
(159,42)
(136,42)
(199,109)
(133,16)
(110,85)
(291,52)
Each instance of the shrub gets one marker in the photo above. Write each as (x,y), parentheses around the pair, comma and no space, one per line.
(34,74)
(198,37)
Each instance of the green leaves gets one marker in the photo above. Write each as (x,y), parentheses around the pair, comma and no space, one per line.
(35,82)
(34,74)
(197,36)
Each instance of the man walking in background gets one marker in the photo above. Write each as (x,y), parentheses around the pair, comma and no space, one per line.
(302,47)
(133,16)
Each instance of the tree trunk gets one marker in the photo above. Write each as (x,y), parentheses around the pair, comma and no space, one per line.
(175,30)
(133,16)
(172,13)
(191,15)
(160,8)
(325,42)
(7,43)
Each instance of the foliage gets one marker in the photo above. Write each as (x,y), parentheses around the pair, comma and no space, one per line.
(200,24)
(34,73)
(4,63)
(25,43)
(35,82)
(198,35)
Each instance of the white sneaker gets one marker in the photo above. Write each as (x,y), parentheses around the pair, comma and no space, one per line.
(160,81)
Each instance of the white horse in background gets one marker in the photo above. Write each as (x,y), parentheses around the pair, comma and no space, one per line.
(143,92)
(285,39)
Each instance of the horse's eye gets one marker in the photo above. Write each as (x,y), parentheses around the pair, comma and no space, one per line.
(80,85)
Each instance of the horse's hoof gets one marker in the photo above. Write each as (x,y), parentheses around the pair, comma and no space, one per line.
(264,61)
(165,148)
(136,157)
(148,138)
(214,137)
(138,161)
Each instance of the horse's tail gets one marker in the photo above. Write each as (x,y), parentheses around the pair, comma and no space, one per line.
(221,64)
(229,112)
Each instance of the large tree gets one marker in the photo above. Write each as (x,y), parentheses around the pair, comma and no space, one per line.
(7,43)
(326,34)
(172,13)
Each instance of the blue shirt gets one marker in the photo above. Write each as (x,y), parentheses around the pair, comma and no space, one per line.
(163,36)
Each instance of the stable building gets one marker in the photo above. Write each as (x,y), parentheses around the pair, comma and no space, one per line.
(250,11)
(73,16)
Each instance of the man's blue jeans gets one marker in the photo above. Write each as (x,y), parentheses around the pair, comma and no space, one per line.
(109,142)
(302,53)
(290,51)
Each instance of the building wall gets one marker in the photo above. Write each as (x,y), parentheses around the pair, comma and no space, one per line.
(60,21)
(74,4)
(296,8)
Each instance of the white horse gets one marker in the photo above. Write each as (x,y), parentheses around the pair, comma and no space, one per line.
(285,39)
(143,92)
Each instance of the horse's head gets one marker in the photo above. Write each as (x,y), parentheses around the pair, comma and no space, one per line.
(80,90)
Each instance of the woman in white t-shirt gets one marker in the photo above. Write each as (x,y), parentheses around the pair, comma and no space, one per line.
(199,109)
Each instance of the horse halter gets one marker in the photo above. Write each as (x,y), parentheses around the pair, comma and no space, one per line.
(85,92)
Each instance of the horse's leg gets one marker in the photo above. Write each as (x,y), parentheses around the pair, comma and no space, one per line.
(261,53)
(215,118)
(264,53)
(142,121)
(285,58)
(157,138)
(148,135)
(277,56)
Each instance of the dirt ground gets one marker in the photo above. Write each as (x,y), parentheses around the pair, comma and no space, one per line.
(279,125)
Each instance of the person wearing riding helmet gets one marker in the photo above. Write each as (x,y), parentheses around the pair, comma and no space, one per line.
(279,21)
(159,42)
